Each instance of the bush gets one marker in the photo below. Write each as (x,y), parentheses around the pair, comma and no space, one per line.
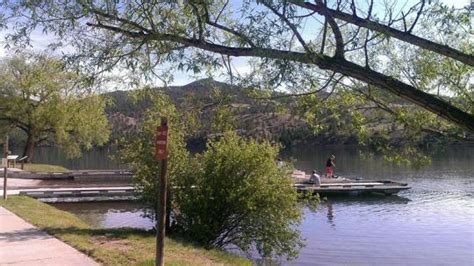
(231,194)
(234,193)
(138,150)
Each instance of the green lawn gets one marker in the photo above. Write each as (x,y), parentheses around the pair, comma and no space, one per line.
(36,167)
(113,246)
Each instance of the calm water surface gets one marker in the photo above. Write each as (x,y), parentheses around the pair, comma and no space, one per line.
(430,224)
(109,214)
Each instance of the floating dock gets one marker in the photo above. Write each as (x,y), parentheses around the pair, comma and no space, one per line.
(84,175)
(108,192)
(346,186)
(128,193)
(81,194)
(353,187)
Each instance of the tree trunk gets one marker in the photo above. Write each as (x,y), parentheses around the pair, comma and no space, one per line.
(29,149)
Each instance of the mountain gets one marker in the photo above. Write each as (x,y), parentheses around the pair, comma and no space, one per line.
(252,117)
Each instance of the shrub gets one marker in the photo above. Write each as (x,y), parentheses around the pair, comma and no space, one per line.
(234,194)
(231,194)
(138,150)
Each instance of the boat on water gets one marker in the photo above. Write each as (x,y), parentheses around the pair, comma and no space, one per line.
(340,185)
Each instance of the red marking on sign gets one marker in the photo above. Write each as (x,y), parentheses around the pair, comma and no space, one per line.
(161,142)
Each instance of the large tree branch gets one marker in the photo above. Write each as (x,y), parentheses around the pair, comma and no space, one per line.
(198,19)
(389,31)
(289,24)
(337,64)
(17,123)
(335,29)
(113,17)
(417,16)
(225,28)
(288,95)
(385,107)
(405,91)
(232,31)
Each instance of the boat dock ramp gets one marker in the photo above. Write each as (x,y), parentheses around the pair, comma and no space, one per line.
(85,194)
(84,175)
(85,191)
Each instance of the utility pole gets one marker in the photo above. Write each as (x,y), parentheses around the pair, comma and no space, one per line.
(161,154)
(5,170)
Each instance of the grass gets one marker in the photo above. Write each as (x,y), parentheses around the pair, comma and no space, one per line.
(36,167)
(113,246)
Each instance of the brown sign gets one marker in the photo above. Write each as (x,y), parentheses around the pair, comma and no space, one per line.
(161,142)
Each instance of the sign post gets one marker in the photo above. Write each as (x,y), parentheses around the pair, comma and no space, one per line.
(5,169)
(161,154)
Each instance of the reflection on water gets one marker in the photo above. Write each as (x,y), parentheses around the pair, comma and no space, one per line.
(330,214)
(109,214)
(430,224)
(426,230)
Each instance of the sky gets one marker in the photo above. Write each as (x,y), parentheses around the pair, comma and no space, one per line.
(40,42)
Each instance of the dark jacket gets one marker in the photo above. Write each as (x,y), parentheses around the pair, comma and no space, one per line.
(329,163)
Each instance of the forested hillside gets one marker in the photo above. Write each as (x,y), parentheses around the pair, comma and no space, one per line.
(211,100)
(275,117)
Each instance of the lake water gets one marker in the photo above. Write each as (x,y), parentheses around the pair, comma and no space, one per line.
(109,214)
(430,224)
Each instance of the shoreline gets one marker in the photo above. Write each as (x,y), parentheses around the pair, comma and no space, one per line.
(122,246)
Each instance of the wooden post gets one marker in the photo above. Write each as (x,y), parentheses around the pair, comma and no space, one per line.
(5,170)
(161,154)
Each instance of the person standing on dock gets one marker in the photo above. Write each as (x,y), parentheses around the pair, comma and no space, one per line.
(330,166)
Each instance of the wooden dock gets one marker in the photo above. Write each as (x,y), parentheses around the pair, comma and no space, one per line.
(88,194)
(99,185)
(85,175)
(353,187)
(81,194)
(346,186)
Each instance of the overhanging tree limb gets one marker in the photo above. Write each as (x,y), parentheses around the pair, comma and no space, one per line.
(405,91)
(337,64)
(385,107)
(289,24)
(389,31)
(226,29)
(335,29)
